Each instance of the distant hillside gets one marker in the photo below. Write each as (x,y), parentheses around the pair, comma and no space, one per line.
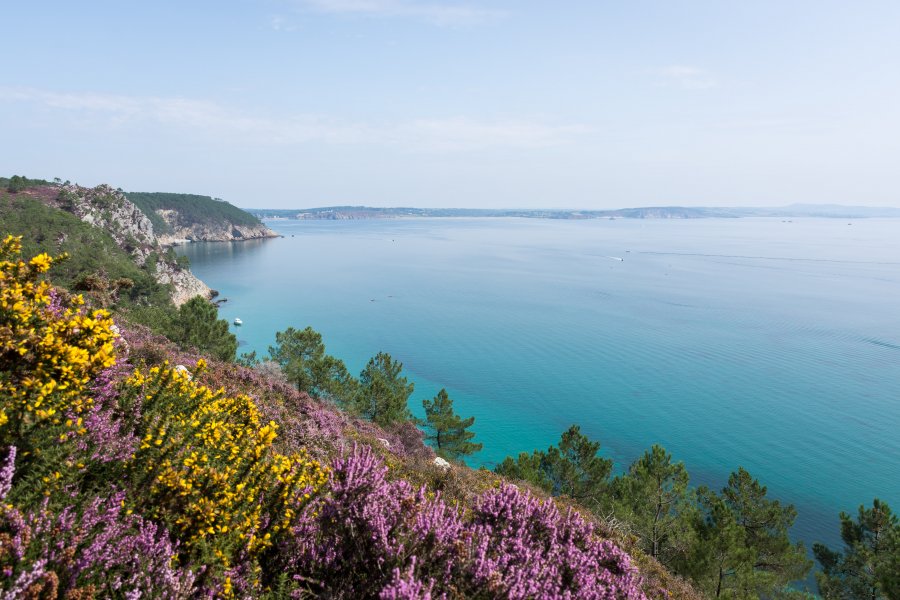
(831,211)
(197,218)
(646,212)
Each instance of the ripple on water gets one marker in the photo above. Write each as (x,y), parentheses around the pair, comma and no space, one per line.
(733,343)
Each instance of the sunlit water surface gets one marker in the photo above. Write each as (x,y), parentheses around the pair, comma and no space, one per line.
(736,342)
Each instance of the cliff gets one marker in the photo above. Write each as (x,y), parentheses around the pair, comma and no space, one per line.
(189,217)
(209,232)
(109,209)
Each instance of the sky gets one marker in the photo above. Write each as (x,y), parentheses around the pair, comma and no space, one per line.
(470,103)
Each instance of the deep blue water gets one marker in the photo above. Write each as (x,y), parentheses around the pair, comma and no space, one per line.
(737,342)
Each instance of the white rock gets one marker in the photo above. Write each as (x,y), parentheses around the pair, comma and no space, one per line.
(384,443)
(121,343)
(440,462)
(185,371)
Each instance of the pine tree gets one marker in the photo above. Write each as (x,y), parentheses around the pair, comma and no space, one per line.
(869,566)
(446,429)
(653,497)
(383,394)
(572,469)
(742,549)
(301,356)
(197,325)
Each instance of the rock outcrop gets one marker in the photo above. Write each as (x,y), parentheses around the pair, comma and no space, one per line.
(207,232)
(180,218)
(107,208)
(185,285)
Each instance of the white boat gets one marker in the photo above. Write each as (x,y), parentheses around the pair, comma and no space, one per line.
(238,322)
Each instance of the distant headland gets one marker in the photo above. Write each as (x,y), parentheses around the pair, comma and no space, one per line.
(648,212)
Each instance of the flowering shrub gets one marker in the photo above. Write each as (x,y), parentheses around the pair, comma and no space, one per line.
(206,466)
(527,549)
(108,429)
(46,360)
(99,551)
(371,537)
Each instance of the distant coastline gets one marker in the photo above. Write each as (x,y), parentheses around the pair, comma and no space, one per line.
(347,213)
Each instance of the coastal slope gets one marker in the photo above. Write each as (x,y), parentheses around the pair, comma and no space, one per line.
(190,217)
(120,242)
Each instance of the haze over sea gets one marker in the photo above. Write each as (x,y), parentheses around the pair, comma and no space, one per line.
(759,343)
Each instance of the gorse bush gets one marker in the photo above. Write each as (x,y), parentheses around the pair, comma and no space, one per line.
(60,543)
(49,351)
(207,468)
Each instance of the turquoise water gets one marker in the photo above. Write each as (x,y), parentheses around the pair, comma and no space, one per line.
(737,342)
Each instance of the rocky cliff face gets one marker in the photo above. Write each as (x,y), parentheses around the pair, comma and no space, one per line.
(185,285)
(209,232)
(108,209)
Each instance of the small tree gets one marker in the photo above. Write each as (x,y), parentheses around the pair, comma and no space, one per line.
(869,566)
(742,548)
(197,325)
(383,394)
(447,430)
(573,468)
(17,183)
(652,497)
(301,356)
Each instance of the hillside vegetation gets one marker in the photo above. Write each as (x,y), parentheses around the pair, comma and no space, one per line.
(95,259)
(123,476)
(192,208)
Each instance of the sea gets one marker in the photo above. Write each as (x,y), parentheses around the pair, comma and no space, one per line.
(762,343)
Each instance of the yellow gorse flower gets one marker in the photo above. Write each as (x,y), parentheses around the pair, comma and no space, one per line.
(41,263)
(48,355)
(210,466)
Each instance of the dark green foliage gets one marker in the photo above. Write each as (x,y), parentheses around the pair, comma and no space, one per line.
(17,183)
(383,394)
(197,325)
(653,498)
(191,209)
(869,566)
(742,549)
(301,356)
(446,429)
(572,469)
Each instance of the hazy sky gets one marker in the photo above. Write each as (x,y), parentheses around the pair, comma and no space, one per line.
(476,103)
